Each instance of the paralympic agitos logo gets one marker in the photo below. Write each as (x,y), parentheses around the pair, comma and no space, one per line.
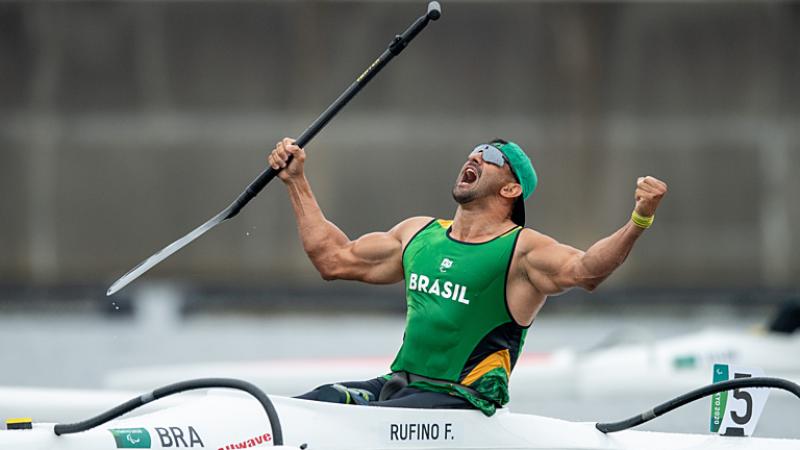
(131,437)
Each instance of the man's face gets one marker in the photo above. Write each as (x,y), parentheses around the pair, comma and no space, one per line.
(479,179)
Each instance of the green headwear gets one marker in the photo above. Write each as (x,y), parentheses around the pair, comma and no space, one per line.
(523,169)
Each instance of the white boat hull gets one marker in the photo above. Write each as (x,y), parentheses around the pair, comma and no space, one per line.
(226,421)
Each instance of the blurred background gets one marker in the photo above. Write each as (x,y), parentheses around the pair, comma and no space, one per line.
(123,125)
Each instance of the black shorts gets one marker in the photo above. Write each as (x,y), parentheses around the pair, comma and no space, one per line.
(407,397)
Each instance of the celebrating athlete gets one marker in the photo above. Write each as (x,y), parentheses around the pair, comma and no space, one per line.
(474,284)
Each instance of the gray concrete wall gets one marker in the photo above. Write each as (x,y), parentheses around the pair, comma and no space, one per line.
(125,125)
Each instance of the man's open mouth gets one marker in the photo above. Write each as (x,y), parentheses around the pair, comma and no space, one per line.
(470,175)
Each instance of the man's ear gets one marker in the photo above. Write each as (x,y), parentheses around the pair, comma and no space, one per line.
(511,190)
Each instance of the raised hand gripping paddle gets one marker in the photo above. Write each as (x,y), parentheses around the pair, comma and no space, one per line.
(395,47)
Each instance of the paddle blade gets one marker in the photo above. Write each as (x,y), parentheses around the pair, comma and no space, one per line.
(165,253)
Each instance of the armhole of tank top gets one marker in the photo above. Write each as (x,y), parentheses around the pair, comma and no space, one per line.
(505,284)
(403,255)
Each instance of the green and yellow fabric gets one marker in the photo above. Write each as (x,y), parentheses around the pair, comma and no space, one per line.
(458,327)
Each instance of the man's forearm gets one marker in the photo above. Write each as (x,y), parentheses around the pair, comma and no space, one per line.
(607,254)
(602,258)
(317,233)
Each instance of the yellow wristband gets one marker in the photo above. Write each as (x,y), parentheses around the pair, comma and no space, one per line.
(642,221)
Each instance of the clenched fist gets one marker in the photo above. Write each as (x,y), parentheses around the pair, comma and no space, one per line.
(279,159)
(649,192)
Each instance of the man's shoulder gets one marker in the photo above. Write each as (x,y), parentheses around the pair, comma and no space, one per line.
(416,222)
(406,229)
(531,240)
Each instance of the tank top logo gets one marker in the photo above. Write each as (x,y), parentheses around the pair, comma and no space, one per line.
(446,264)
(443,289)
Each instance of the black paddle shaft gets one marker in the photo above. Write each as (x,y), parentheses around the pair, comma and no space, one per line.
(395,47)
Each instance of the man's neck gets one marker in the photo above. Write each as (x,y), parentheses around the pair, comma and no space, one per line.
(473,223)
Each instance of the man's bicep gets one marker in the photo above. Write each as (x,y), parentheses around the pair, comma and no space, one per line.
(376,248)
(377,257)
(553,267)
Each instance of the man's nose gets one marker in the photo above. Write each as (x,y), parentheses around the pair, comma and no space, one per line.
(477,157)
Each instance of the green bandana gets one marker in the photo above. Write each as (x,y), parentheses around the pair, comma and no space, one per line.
(521,166)
(525,173)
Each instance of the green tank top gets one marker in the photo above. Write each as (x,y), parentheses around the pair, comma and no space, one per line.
(458,327)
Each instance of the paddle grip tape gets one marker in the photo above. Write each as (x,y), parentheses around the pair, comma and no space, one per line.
(649,415)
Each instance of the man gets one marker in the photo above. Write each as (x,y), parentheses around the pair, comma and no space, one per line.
(473,284)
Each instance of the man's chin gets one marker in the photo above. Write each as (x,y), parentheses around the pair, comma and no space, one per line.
(463,196)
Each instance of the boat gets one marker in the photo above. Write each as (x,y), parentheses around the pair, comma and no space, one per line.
(652,371)
(674,365)
(228,420)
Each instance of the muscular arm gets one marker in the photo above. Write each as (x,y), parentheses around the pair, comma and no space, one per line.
(553,267)
(372,258)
